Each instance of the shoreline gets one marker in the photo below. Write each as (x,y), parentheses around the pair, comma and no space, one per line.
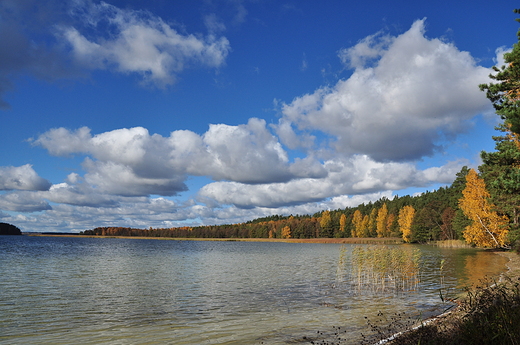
(354,240)
(446,319)
(513,265)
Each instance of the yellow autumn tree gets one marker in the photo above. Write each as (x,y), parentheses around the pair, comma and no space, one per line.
(405,220)
(342,222)
(364,231)
(357,220)
(286,232)
(487,228)
(325,219)
(326,224)
(372,223)
(382,214)
(389,222)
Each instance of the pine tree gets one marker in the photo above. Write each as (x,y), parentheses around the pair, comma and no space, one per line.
(505,94)
(501,169)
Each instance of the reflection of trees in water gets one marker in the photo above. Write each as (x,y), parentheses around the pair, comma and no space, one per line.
(481,266)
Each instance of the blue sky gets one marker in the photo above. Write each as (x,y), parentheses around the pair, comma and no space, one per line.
(170,113)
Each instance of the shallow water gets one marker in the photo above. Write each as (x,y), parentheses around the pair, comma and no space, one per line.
(133,291)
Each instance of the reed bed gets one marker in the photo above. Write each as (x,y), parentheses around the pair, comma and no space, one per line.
(452,244)
(385,269)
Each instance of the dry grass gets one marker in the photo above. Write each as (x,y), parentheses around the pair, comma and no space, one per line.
(380,268)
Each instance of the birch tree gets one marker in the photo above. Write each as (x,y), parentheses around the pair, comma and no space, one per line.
(342,223)
(382,214)
(487,228)
(405,220)
(357,220)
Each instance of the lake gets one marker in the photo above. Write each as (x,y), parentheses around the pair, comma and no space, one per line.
(64,290)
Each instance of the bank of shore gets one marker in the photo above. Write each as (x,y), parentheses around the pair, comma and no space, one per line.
(498,302)
(513,265)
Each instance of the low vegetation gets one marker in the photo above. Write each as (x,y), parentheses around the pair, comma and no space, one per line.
(383,268)
(489,314)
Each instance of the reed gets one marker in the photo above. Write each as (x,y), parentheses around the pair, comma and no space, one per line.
(342,261)
(452,244)
(385,269)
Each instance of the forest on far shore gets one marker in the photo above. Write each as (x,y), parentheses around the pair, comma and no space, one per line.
(427,217)
(437,217)
(9,229)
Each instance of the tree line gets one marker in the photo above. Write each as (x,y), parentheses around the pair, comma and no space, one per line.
(480,207)
(9,229)
(430,216)
(427,217)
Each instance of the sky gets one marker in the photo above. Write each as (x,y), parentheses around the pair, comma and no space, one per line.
(159,113)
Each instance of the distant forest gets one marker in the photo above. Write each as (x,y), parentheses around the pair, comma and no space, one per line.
(427,217)
(9,229)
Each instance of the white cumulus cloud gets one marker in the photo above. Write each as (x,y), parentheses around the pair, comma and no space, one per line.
(22,178)
(405,94)
(23,201)
(140,43)
(355,176)
(131,161)
(355,141)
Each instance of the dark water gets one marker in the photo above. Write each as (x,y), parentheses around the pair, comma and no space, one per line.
(132,291)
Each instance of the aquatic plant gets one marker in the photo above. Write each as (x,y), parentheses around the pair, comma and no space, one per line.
(382,268)
(340,270)
(452,244)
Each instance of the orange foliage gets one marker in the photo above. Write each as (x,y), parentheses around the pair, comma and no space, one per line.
(357,220)
(342,222)
(286,232)
(488,228)
(405,220)
(382,215)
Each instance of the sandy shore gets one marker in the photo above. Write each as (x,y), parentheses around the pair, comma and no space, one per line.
(513,265)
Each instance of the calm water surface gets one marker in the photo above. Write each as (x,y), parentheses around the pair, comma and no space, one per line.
(132,291)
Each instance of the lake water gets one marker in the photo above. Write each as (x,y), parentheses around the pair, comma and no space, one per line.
(60,290)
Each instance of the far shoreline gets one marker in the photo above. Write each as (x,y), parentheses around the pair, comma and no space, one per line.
(345,240)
